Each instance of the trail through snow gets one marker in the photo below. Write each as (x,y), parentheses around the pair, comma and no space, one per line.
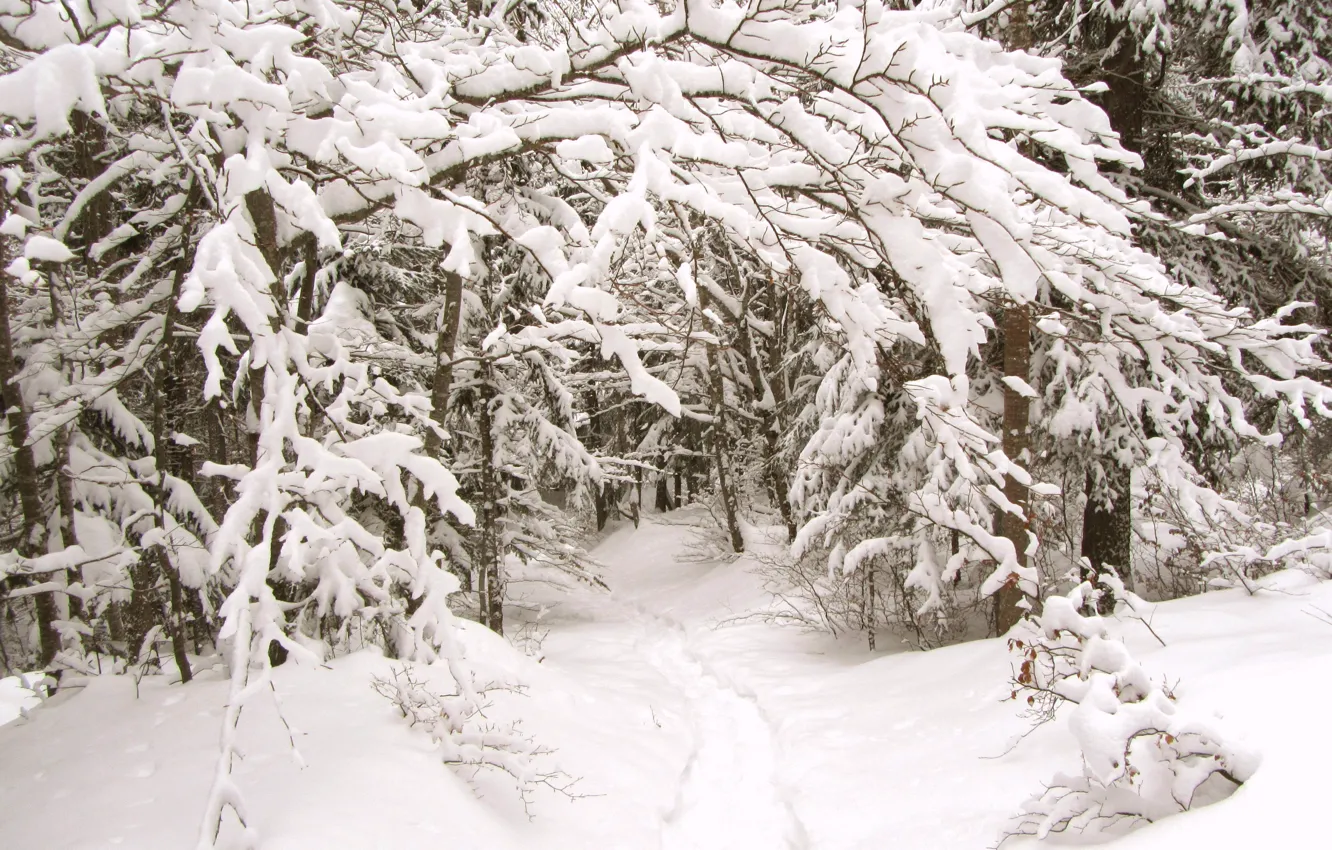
(729,794)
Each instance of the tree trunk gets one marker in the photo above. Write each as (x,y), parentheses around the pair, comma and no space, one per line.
(717,390)
(263,216)
(446,344)
(1126,78)
(489,563)
(637,507)
(777,482)
(1017,414)
(1107,520)
(217,453)
(175,620)
(771,391)
(725,487)
(25,464)
(305,300)
(65,503)
(1107,529)
(664,502)
(1008,607)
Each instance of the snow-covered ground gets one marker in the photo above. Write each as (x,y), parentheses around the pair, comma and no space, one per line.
(18,694)
(690,727)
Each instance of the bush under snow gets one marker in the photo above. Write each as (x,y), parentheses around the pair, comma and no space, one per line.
(1144,757)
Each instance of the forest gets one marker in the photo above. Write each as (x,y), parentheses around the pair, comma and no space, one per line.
(659,423)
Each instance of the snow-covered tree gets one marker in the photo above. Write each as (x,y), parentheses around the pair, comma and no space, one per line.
(406,242)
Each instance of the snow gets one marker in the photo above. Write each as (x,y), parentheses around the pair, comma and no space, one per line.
(18,695)
(1020,386)
(692,722)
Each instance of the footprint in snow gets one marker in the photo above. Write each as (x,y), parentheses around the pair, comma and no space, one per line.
(143,771)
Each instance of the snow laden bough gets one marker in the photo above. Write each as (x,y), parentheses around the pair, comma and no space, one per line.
(1144,756)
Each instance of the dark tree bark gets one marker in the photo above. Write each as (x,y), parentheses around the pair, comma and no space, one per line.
(97,217)
(217,453)
(1107,529)
(637,507)
(778,476)
(175,619)
(725,487)
(446,344)
(305,301)
(263,215)
(1017,409)
(26,481)
(490,553)
(603,430)
(1016,442)
(1107,522)
(664,502)
(65,504)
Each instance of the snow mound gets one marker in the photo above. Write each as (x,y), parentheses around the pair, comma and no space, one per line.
(18,694)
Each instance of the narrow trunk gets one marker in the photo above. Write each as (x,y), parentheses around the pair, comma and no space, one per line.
(175,619)
(446,344)
(489,566)
(214,419)
(717,391)
(25,464)
(867,616)
(1107,529)
(65,500)
(664,503)
(778,478)
(1017,409)
(305,302)
(777,482)
(1126,79)
(772,395)
(605,495)
(263,215)
(637,507)
(97,216)
(1107,520)
(1017,413)
(725,488)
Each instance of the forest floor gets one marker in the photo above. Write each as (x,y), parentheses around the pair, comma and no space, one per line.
(692,722)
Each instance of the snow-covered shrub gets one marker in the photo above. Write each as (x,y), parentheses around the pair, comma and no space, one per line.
(1192,537)
(1310,552)
(458,726)
(882,595)
(1144,757)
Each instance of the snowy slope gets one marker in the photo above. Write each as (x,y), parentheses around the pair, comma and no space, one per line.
(687,734)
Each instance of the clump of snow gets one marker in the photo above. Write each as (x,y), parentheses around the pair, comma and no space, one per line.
(18,695)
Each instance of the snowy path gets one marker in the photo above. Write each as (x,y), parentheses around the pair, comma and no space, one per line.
(690,726)
(729,796)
